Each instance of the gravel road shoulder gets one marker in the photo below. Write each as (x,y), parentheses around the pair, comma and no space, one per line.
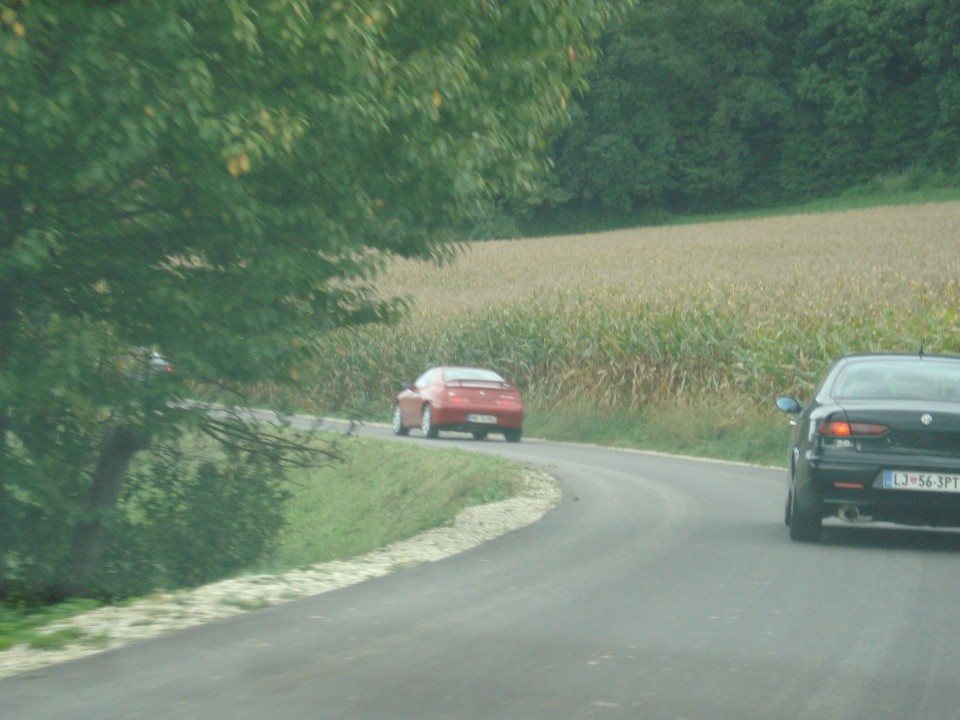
(111,627)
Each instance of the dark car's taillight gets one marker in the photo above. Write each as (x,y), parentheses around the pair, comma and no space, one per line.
(844,429)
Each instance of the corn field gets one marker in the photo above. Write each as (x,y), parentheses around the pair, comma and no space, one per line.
(742,310)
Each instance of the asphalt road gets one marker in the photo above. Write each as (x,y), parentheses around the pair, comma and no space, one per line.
(660,588)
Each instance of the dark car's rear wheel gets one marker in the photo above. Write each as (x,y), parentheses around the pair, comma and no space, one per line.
(511,435)
(426,423)
(398,428)
(804,526)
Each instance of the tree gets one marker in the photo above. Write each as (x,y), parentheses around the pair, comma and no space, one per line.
(939,52)
(220,180)
(706,104)
(864,105)
(686,110)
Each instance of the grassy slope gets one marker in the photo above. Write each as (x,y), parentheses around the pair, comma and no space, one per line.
(381,492)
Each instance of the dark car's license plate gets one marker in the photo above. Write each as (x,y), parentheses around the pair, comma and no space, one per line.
(483,419)
(935,482)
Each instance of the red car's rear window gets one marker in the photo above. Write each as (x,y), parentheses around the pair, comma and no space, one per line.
(460,375)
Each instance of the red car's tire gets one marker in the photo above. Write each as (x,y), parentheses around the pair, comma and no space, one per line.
(426,423)
(398,427)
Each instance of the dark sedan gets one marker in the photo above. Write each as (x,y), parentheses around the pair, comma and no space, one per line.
(879,440)
(467,399)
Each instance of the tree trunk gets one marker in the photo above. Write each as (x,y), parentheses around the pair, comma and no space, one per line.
(120,446)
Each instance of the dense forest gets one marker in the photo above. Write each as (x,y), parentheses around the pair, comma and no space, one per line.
(705,105)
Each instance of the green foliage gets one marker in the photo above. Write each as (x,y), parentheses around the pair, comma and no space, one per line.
(185,160)
(684,110)
(939,51)
(220,181)
(190,518)
(706,105)
(190,513)
(863,97)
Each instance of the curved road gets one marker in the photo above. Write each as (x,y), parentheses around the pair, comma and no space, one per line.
(659,588)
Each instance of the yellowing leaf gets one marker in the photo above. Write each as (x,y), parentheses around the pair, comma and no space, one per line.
(436,100)
(238,165)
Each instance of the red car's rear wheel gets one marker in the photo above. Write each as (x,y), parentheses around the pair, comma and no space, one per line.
(426,423)
(398,427)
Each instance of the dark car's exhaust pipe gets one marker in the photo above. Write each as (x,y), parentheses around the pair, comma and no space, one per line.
(849,513)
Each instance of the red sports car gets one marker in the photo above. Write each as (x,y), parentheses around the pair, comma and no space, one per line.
(464,399)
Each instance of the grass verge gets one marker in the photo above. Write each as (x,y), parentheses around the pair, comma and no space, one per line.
(716,430)
(21,625)
(380,493)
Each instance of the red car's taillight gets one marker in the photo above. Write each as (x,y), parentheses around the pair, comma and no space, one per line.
(841,428)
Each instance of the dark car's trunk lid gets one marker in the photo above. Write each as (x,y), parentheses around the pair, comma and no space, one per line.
(923,427)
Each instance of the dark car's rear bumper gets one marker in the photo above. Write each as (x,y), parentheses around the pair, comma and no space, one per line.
(828,485)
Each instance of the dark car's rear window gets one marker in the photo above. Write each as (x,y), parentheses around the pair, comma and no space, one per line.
(906,379)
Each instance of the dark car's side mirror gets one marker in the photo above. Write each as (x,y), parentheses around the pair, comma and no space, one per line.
(789,404)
